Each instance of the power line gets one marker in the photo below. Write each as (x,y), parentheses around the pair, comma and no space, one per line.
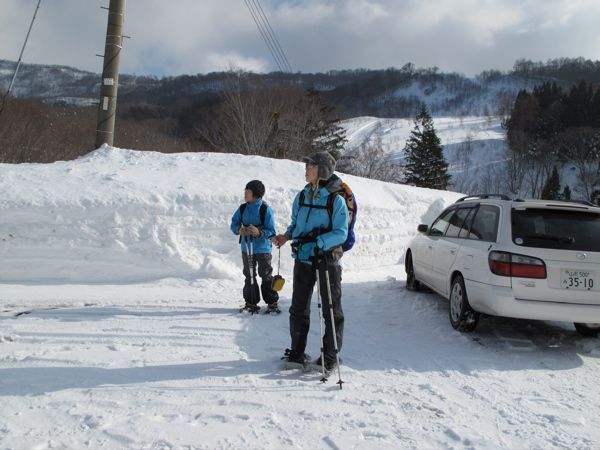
(268,35)
(274,36)
(264,35)
(20,58)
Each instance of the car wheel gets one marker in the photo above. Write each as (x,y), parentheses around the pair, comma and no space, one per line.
(462,316)
(588,329)
(412,284)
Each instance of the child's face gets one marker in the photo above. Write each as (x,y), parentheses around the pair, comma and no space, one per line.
(249,196)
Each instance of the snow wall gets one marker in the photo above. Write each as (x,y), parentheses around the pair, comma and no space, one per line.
(123,216)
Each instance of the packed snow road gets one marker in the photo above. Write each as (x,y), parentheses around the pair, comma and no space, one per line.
(95,353)
(175,365)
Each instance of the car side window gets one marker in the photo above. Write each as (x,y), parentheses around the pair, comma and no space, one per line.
(464,231)
(439,226)
(456,222)
(485,223)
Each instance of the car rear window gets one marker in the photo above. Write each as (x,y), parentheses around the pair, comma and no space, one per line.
(556,229)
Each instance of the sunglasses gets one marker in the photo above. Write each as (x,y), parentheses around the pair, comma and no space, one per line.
(310,165)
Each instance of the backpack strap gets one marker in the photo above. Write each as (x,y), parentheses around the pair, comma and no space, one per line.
(242,209)
(348,197)
(308,205)
(346,192)
(262,212)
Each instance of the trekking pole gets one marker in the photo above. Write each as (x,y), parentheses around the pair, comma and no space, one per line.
(252,280)
(319,307)
(335,344)
(249,250)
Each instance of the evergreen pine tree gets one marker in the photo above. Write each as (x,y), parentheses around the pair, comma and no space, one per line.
(551,190)
(325,132)
(331,139)
(425,163)
(566,195)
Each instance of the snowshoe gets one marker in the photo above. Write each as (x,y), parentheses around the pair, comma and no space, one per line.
(273,309)
(252,309)
(293,360)
(330,365)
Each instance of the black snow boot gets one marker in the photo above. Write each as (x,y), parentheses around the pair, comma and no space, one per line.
(295,357)
(330,363)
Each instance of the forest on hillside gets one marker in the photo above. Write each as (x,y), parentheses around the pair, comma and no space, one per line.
(280,115)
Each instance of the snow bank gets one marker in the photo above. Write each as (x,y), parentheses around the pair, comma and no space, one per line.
(123,216)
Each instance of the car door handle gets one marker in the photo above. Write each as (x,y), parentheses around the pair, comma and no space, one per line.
(453,251)
(430,247)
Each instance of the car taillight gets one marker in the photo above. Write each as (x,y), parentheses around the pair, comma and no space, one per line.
(512,265)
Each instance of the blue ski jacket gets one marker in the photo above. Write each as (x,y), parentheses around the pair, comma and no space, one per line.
(307,220)
(252,217)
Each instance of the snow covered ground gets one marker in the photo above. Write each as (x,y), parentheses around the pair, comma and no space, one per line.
(135,341)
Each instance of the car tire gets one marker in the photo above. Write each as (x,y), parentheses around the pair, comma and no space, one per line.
(412,284)
(462,316)
(588,329)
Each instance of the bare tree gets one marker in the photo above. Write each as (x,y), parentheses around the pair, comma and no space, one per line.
(582,146)
(462,179)
(370,160)
(269,120)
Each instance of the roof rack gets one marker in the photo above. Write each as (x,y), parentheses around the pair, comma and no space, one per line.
(498,196)
(579,202)
(582,202)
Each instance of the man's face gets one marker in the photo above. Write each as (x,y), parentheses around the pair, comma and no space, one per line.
(311,172)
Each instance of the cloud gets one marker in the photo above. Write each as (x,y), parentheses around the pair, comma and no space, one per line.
(190,36)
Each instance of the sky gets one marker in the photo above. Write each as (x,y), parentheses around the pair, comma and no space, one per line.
(190,36)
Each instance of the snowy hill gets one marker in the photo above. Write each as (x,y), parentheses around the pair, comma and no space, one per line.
(119,326)
(384,93)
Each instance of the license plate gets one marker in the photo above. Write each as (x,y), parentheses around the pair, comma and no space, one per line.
(581,280)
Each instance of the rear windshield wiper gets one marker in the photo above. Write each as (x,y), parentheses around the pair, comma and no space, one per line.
(550,237)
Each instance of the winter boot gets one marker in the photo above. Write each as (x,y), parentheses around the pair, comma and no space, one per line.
(294,359)
(330,364)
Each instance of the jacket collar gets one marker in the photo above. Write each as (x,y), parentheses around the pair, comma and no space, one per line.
(256,204)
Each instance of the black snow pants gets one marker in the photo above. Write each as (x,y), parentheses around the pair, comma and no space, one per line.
(304,283)
(265,271)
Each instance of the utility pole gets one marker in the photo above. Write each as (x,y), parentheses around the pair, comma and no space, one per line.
(107,108)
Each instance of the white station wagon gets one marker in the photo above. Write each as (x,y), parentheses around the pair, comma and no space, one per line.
(529,259)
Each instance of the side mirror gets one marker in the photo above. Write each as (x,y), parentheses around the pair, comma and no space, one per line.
(422,228)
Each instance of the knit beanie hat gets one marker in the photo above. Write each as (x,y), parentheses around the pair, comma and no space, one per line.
(257,188)
(324,161)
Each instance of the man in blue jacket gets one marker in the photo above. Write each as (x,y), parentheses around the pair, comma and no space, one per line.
(318,229)
(253,222)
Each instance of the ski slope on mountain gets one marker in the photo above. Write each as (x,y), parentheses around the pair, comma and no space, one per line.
(120,283)
(474,146)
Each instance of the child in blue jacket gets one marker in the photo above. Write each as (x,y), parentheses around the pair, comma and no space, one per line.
(253,221)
